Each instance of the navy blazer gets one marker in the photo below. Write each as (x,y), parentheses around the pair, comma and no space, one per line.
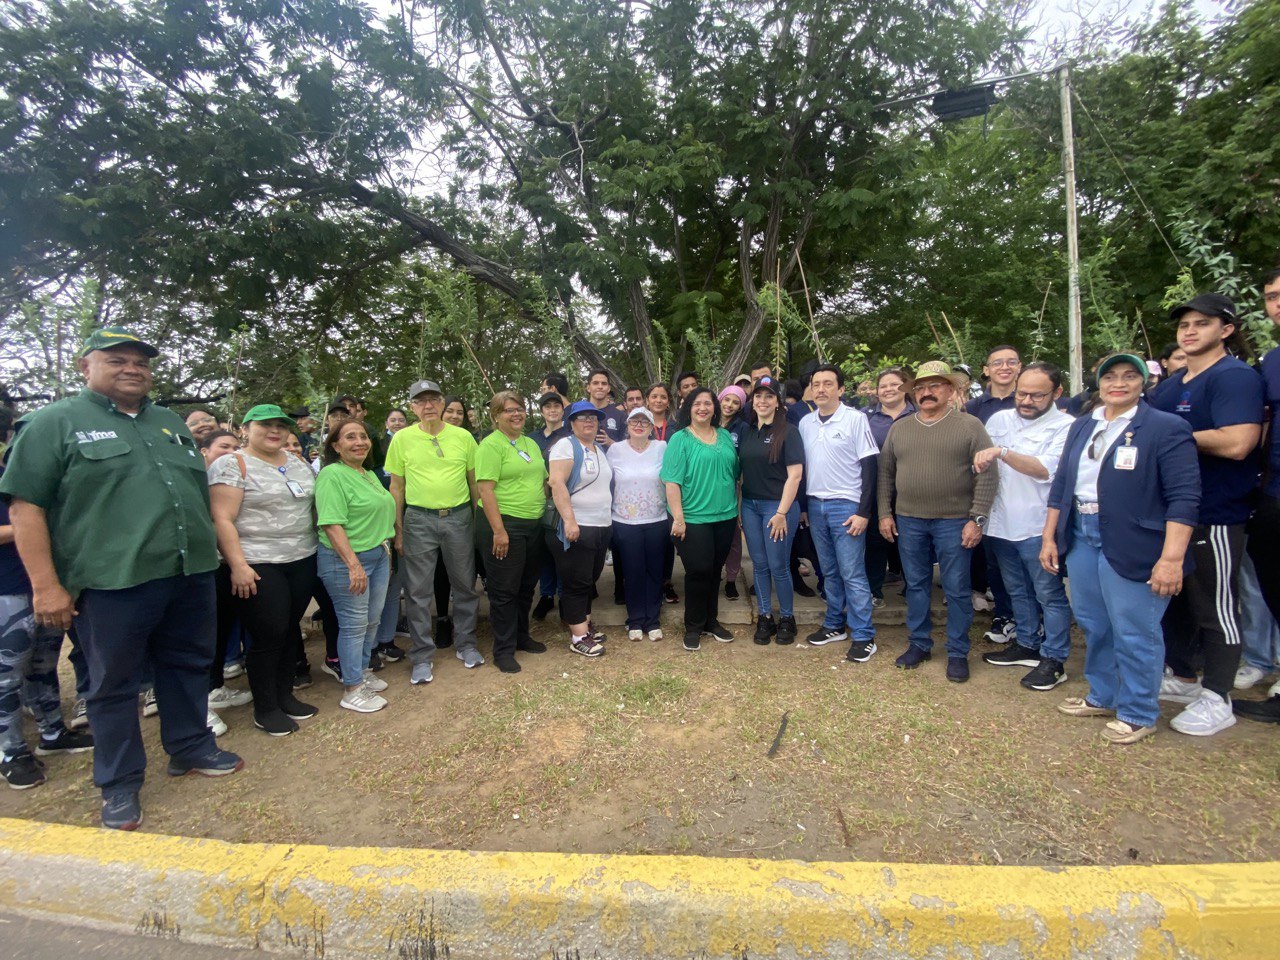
(1133,505)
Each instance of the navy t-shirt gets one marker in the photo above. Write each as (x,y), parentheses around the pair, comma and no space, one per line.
(13,575)
(1229,393)
(1271,377)
(986,406)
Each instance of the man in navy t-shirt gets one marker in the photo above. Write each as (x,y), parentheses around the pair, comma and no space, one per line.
(1222,399)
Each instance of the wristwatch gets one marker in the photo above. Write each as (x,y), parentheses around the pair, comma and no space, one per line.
(980,520)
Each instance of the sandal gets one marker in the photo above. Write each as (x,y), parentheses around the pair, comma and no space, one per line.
(1080,707)
(1121,731)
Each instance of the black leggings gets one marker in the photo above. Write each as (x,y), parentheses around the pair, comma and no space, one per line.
(271,616)
(703,551)
(579,568)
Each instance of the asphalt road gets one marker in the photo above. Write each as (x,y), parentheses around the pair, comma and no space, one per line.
(25,939)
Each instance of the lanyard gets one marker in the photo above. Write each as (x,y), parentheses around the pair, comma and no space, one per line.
(523,456)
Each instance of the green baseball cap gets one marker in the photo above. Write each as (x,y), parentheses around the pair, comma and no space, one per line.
(1130,358)
(267,411)
(105,338)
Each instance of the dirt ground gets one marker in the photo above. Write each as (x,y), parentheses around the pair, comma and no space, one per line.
(653,750)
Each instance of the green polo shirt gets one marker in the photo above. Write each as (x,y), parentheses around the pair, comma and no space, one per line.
(518,472)
(434,468)
(127,497)
(358,503)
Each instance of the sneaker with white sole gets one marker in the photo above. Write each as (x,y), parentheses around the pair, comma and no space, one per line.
(1179,691)
(470,658)
(585,646)
(216,723)
(655,634)
(1003,630)
(421,673)
(232,670)
(225,697)
(148,700)
(824,635)
(362,700)
(1206,715)
(373,682)
(635,634)
(79,716)
(1249,676)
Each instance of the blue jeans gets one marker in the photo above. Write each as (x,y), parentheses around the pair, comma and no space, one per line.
(1036,594)
(169,624)
(919,540)
(843,562)
(770,559)
(1258,632)
(1124,652)
(390,615)
(640,547)
(358,616)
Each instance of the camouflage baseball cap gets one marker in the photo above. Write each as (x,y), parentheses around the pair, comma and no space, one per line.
(106,338)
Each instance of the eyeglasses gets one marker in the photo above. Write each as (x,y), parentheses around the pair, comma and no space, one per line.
(436,443)
(512,411)
(1004,363)
(1272,297)
(1033,397)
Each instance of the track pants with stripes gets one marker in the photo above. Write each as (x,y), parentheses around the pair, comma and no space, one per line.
(1202,624)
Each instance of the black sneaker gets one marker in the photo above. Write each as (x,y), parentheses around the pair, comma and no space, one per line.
(1014,655)
(1003,630)
(333,668)
(693,640)
(861,652)
(786,630)
(215,763)
(122,812)
(65,742)
(731,590)
(295,709)
(1047,675)
(912,658)
(824,635)
(276,724)
(718,631)
(669,594)
(506,663)
(765,630)
(958,669)
(802,589)
(390,652)
(531,645)
(543,607)
(22,772)
(375,660)
(302,676)
(444,633)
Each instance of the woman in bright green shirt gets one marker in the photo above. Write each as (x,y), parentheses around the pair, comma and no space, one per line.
(511,477)
(357,516)
(700,470)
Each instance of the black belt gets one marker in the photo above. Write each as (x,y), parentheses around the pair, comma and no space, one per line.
(439,513)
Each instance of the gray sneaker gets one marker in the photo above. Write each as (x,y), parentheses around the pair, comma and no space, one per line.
(470,657)
(421,673)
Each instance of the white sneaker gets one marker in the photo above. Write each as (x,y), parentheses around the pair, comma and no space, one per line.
(608,558)
(980,602)
(1275,690)
(1179,691)
(80,716)
(373,683)
(655,633)
(148,699)
(225,697)
(216,724)
(635,634)
(1248,676)
(1206,715)
(232,670)
(362,700)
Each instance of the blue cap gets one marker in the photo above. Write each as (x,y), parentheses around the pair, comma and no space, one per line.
(584,406)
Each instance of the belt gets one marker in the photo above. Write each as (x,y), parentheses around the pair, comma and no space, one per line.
(1086,506)
(466,504)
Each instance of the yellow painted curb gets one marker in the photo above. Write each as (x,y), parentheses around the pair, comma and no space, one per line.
(371,902)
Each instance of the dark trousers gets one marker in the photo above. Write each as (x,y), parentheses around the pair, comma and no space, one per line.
(703,551)
(619,568)
(579,568)
(877,559)
(511,578)
(225,624)
(1264,548)
(271,616)
(168,623)
(640,546)
(984,575)
(1204,619)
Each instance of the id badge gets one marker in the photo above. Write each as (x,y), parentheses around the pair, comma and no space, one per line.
(524,456)
(296,489)
(1126,458)
(589,466)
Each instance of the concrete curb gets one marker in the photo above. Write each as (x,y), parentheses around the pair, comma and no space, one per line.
(321,902)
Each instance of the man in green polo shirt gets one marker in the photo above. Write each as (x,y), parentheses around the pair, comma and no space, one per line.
(433,479)
(110,510)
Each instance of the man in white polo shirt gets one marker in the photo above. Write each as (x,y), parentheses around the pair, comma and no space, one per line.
(840,465)
(1028,442)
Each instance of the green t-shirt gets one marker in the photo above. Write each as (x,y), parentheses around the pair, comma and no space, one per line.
(126,497)
(358,503)
(707,474)
(518,471)
(434,468)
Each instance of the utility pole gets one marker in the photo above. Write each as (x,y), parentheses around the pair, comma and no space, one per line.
(1074,345)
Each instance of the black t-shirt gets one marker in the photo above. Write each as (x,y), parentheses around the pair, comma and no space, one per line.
(762,480)
(546,441)
(13,575)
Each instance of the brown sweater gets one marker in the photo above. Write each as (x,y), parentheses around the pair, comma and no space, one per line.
(930,469)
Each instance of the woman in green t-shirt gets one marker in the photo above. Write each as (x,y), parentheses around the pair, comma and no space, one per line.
(512,479)
(700,470)
(357,516)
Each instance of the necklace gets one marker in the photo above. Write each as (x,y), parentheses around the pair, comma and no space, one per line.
(933,423)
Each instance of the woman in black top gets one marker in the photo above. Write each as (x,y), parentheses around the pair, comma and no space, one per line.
(772,456)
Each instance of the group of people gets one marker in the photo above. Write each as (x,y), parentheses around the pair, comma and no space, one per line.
(153,542)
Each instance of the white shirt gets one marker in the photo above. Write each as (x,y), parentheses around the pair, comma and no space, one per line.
(591,501)
(638,495)
(1022,502)
(833,453)
(1087,476)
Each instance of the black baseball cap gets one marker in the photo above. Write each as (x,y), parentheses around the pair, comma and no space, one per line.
(770,385)
(1211,305)
(550,398)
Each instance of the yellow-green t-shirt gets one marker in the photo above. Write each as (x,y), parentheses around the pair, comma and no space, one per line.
(518,471)
(434,468)
(358,503)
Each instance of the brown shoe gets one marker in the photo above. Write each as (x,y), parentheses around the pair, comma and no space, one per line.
(1119,731)
(1080,707)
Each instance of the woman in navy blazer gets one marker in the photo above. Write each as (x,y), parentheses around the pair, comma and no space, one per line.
(1121,512)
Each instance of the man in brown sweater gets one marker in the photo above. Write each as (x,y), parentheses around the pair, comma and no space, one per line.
(934,505)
